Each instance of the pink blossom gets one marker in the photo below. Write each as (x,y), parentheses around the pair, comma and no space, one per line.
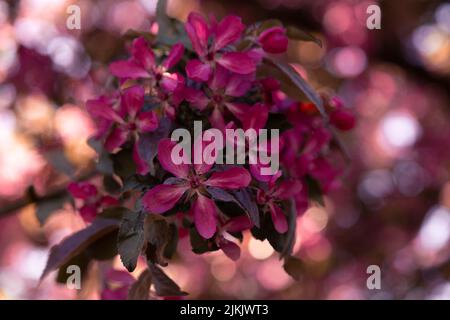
(142,64)
(223,89)
(129,119)
(211,43)
(92,202)
(271,198)
(192,181)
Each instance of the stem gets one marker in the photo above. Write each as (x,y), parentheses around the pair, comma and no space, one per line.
(31,196)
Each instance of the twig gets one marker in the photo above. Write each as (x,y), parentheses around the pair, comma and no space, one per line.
(31,196)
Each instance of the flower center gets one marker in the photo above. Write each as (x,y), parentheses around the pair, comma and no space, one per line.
(132,126)
(210,56)
(218,99)
(195,182)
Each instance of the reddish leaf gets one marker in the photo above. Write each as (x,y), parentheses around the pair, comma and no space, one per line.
(141,288)
(164,286)
(76,243)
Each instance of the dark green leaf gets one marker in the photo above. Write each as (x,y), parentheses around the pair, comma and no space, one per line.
(131,34)
(300,83)
(300,35)
(171,246)
(294,267)
(60,162)
(141,288)
(114,213)
(314,190)
(157,234)
(199,244)
(148,142)
(292,227)
(47,207)
(131,238)
(77,243)
(170,31)
(110,184)
(123,163)
(104,163)
(104,248)
(247,201)
(164,286)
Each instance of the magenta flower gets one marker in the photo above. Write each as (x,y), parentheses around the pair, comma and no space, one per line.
(223,88)
(210,42)
(129,119)
(275,194)
(92,202)
(95,108)
(274,40)
(142,64)
(192,181)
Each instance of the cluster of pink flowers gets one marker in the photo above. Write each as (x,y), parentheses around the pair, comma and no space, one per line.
(215,80)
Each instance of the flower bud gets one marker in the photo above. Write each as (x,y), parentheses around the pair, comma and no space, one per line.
(343,120)
(274,40)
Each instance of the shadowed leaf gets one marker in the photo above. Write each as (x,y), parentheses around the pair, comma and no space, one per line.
(300,35)
(141,288)
(47,207)
(164,286)
(131,238)
(294,267)
(76,243)
(157,233)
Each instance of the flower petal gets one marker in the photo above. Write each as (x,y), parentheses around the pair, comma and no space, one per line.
(175,54)
(256,117)
(165,148)
(82,190)
(205,216)
(163,197)
(238,224)
(116,139)
(278,218)
(208,162)
(219,79)
(142,53)
(142,167)
(196,97)
(108,201)
(230,249)
(133,100)
(88,212)
(256,170)
(170,81)
(198,32)
(102,108)
(233,178)
(228,31)
(238,85)
(287,189)
(198,71)
(217,120)
(238,62)
(147,121)
(128,69)
(238,109)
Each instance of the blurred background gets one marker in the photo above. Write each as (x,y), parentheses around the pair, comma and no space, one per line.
(392,208)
